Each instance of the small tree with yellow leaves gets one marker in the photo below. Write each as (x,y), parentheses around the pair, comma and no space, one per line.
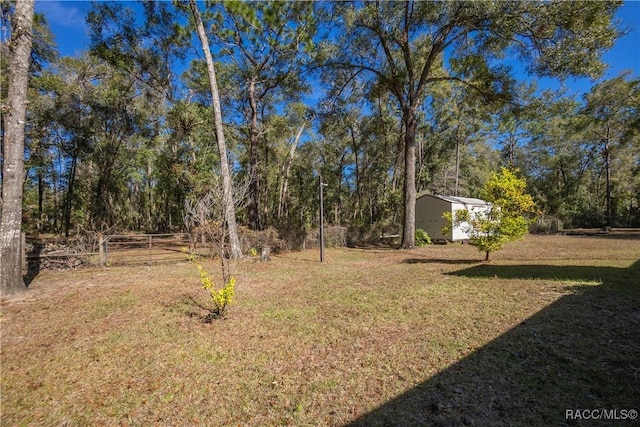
(221,298)
(506,220)
(206,215)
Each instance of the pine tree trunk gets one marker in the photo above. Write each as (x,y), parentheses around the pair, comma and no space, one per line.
(354,132)
(69,200)
(607,166)
(11,280)
(229,208)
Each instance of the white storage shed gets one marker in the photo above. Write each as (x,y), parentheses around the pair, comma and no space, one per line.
(429,210)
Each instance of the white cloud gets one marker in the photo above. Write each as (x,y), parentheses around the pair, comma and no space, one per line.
(69,14)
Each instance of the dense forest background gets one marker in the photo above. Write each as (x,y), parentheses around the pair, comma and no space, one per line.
(121,136)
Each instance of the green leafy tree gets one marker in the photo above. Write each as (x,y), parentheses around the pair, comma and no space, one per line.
(61,138)
(580,155)
(512,124)
(556,160)
(504,221)
(447,144)
(93,122)
(146,44)
(609,121)
(402,45)
(38,165)
(266,45)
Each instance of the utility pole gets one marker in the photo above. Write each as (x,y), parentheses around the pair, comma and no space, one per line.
(322,184)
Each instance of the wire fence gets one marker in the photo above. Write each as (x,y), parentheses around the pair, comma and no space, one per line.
(108,250)
(121,249)
(97,249)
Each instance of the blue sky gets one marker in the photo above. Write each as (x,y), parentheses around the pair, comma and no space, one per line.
(67,21)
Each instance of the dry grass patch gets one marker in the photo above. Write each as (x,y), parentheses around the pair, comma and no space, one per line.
(430,336)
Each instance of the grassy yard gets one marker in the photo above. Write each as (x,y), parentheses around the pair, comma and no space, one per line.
(377,336)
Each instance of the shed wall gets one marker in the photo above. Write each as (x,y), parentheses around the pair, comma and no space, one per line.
(458,233)
(429,212)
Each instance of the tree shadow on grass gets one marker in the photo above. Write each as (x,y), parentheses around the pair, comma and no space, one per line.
(582,352)
(195,309)
(606,275)
(439,261)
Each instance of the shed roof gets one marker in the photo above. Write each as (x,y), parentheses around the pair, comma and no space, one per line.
(456,199)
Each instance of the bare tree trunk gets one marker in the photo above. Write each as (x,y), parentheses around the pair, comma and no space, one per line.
(40,198)
(420,163)
(287,171)
(14,114)
(229,208)
(455,189)
(512,151)
(353,130)
(254,190)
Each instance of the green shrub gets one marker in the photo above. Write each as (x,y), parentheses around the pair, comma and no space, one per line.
(422,238)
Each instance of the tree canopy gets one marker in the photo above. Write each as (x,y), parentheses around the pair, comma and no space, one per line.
(383,99)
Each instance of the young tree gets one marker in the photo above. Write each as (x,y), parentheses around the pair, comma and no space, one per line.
(13,123)
(206,216)
(402,46)
(506,219)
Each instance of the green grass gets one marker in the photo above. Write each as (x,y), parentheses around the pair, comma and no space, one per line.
(430,336)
